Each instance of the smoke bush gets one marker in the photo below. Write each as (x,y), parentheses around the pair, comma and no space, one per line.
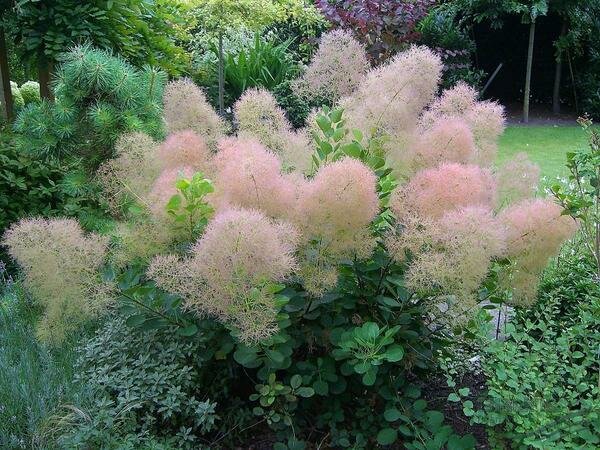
(336,70)
(433,192)
(186,108)
(330,222)
(535,231)
(392,96)
(485,118)
(129,176)
(163,189)
(231,271)
(61,266)
(248,175)
(259,117)
(184,148)
(448,140)
(518,178)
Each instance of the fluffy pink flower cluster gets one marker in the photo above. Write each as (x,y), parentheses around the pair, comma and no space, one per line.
(259,117)
(186,108)
(433,192)
(61,266)
(163,189)
(333,213)
(448,140)
(336,69)
(232,270)
(129,175)
(518,178)
(393,95)
(484,118)
(248,175)
(184,148)
(535,229)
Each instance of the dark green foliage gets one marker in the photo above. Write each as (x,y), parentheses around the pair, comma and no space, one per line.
(297,109)
(144,32)
(32,186)
(98,97)
(543,389)
(441,32)
(142,384)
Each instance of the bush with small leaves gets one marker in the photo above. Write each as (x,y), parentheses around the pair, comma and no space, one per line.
(142,387)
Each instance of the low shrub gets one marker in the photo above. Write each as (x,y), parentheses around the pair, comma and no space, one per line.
(142,387)
(542,381)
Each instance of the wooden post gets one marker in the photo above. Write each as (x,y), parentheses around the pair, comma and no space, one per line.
(558,75)
(5,91)
(221,77)
(528,73)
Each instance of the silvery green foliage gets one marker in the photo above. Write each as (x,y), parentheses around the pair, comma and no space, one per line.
(143,383)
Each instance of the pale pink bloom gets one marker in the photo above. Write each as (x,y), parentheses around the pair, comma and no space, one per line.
(164,188)
(536,229)
(451,255)
(184,148)
(249,176)
(260,118)
(518,178)
(448,140)
(333,214)
(231,270)
(393,95)
(336,69)
(130,174)
(186,108)
(61,266)
(433,192)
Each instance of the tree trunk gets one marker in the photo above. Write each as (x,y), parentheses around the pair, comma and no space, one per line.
(221,77)
(528,73)
(45,75)
(558,75)
(5,93)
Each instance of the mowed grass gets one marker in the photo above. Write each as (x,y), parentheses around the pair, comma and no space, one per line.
(547,145)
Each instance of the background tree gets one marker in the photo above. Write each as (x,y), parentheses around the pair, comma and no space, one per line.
(6,101)
(142,31)
(385,27)
(217,16)
(494,11)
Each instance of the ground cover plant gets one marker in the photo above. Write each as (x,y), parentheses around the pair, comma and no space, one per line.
(294,283)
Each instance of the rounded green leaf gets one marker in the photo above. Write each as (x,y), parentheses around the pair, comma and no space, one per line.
(387,436)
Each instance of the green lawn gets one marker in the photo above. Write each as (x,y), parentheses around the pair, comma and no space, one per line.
(546,145)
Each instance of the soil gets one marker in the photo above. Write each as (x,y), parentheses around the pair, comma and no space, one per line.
(437,396)
(540,115)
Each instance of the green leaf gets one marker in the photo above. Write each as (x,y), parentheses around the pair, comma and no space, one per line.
(387,436)
(136,320)
(305,392)
(246,356)
(296,381)
(321,387)
(453,397)
(188,330)
(369,378)
(394,353)
(392,414)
